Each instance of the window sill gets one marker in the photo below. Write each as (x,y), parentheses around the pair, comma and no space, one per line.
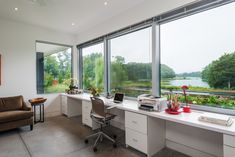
(213,109)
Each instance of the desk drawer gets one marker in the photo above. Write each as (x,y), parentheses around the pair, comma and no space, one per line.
(137,122)
(86,106)
(229,140)
(136,140)
(229,151)
(86,109)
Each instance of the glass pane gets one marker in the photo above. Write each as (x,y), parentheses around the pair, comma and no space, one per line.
(131,58)
(199,51)
(93,66)
(53,67)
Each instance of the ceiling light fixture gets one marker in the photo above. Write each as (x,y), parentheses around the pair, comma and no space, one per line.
(105,3)
(16,9)
(73,24)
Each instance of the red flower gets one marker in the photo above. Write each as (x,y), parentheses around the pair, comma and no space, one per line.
(184,87)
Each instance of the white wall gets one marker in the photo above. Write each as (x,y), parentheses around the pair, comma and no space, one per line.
(17,46)
(143,11)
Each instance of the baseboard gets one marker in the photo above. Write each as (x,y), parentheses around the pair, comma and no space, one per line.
(186,150)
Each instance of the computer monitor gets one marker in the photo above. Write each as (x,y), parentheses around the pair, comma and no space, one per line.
(118,97)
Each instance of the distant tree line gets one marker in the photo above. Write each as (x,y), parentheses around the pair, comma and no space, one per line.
(93,70)
(190,74)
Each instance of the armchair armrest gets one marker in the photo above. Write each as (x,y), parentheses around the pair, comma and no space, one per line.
(26,107)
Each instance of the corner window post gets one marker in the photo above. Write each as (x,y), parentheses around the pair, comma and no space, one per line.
(79,56)
(106,66)
(156,60)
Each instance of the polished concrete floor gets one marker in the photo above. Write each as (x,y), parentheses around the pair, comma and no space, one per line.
(64,137)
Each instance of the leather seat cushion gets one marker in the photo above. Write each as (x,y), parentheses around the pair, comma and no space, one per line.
(9,116)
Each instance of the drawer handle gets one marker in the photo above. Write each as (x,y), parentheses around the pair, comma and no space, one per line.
(135,122)
(135,140)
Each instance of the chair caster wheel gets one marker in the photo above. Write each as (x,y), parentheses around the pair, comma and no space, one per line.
(114,145)
(86,141)
(114,136)
(95,149)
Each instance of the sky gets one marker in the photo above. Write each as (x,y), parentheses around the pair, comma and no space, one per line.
(187,44)
(191,43)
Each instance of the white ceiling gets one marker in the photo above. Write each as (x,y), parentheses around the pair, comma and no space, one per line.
(60,14)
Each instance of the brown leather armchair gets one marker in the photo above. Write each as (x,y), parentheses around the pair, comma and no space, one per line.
(15,113)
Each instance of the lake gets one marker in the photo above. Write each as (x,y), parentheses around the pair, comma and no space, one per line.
(190,81)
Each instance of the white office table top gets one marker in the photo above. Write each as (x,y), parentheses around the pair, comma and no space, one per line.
(190,119)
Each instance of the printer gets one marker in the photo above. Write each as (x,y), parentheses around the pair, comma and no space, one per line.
(150,103)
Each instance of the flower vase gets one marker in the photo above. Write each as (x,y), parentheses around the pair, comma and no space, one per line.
(187,109)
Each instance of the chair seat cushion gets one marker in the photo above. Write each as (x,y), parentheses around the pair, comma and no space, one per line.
(9,116)
(108,116)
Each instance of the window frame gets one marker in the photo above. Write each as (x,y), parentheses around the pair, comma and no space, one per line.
(58,44)
(155,80)
(80,63)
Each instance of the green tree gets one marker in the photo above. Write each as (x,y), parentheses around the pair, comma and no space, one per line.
(119,74)
(91,63)
(99,73)
(205,73)
(64,61)
(221,73)
(139,71)
(51,66)
(167,72)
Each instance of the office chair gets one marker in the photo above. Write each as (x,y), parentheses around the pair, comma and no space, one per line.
(102,118)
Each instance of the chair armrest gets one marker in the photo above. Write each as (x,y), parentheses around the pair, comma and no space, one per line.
(26,107)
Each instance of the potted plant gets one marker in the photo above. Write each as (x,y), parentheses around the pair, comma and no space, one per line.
(72,85)
(186,108)
(95,91)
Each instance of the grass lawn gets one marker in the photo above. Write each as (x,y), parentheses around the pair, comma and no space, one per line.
(60,88)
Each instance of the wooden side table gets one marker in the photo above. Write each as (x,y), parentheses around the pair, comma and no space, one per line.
(38,102)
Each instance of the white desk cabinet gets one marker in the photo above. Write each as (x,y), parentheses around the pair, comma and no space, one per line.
(137,122)
(86,119)
(144,133)
(70,107)
(64,106)
(229,146)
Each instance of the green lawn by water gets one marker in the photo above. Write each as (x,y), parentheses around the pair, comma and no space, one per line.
(60,88)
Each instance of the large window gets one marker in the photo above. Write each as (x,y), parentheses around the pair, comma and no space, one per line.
(93,66)
(53,67)
(131,68)
(181,47)
(199,51)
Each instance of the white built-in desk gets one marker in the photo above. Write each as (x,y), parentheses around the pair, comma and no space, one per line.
(146,131)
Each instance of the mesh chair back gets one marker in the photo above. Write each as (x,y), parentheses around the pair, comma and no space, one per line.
(98,106)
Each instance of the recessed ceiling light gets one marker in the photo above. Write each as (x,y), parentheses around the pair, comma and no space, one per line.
(16,9)
(73,24)
(105,3)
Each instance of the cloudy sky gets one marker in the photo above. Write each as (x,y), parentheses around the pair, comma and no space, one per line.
(187,44)
(191,43)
